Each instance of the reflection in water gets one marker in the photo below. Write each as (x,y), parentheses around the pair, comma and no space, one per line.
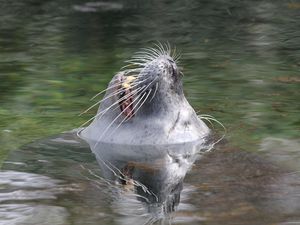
(138,185)
(151,177)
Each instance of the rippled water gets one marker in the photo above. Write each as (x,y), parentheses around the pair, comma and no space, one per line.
(241,65)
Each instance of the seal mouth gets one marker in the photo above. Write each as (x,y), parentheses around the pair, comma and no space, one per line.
(126,97)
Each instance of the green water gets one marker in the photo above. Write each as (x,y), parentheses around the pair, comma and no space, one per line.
(241,61)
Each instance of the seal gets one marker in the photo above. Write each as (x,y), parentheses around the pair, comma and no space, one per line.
(144,104)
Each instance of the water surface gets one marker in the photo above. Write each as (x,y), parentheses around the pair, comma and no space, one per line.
(241,64)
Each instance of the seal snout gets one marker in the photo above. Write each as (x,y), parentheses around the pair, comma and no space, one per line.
(161,70)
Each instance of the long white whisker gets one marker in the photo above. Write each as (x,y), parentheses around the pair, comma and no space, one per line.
(124,97)
(135,182)
(135,63)
(111,95)
(135,70)
(107,128)
(204,118)
(161,49)
(138,61)
(144,58)
(143,102)
(97,103)
(152,51)
(210,118)
(177,56)
(173,54)
(126,66)
(148,53)
(148,56)
(125,118)
(110,87)
(168,48)
(117,102)
(150,83)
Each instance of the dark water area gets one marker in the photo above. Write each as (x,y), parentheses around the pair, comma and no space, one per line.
(241,64)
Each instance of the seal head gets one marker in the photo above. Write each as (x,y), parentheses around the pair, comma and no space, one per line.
(144,104)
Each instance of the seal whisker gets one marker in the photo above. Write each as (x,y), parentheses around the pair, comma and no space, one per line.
(121,99)
(135,63)
(136,91)
(149,83)
(126,66)
(107,128)
(125,119)
(168,48)
(164,48)
(137,83)
(128,71)
(105,110)
(108,182)
(101,92)
(111,95)
(142,57)
(173,54)
(141,63)
(161,48)
(125,96)
(176,55)
(206,116)
(131,65)
(210,118)
(149,55)
(136,60)
(146,58)
(151,51)
(143,101)
(145,55)
(123,177)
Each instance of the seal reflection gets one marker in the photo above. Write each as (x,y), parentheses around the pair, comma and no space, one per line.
(149,178)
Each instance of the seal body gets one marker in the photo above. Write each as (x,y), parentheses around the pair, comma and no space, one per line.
(145,105)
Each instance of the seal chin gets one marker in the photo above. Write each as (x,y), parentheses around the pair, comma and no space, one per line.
(146,99)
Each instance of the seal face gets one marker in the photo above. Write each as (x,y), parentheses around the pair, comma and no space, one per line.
(145,104)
